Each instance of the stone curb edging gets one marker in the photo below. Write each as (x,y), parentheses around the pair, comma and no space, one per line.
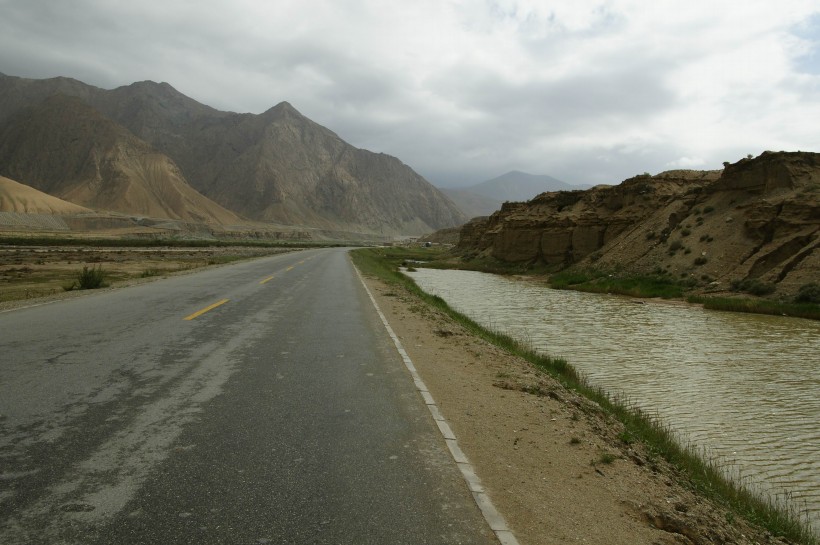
(497,523)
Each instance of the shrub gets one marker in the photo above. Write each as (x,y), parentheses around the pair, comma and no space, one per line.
(606,458)
(808,293)
(90,279)
(753,286)
(761,288)
(700,260)
(708,209)
(675,246)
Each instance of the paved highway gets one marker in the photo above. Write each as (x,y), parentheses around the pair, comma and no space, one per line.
(261,402)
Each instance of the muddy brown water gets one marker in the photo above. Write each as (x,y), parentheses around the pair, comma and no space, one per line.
(744,388)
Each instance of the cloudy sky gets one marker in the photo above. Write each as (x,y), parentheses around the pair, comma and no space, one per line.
(465,90)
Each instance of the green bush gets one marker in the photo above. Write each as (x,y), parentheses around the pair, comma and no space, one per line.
(91,279)
(808,293)
(753,286)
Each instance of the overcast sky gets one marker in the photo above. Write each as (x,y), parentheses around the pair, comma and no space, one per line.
(465,90)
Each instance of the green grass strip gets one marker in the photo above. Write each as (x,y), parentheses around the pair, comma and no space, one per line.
(759,306)
(701,474)
(648,286)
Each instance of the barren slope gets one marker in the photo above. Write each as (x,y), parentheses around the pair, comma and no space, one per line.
(65,148)
(17,197)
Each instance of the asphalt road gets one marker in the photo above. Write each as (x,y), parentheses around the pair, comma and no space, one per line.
(281,415)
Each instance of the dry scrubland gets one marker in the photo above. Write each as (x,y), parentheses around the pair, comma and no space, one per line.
(32,272)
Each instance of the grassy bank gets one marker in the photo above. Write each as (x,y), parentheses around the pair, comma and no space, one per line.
(700,474)
(759,306)
(659,284)
(648,286)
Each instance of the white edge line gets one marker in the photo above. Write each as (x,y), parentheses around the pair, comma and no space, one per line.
(485,505)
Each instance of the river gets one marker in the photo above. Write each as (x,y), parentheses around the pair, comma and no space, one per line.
(745,388)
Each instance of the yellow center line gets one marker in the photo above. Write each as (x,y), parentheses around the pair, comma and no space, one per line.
(206,309)
(289,269)
(266,280)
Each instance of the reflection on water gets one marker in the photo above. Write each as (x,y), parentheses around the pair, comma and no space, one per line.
(744,387)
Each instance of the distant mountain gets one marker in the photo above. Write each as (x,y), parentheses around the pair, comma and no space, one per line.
(65,148)
(519,186)
(472,204)
(485,198)
(278,166)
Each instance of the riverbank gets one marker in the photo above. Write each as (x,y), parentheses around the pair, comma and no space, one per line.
(616,440)
(747,296)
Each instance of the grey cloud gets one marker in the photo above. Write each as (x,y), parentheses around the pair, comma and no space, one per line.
(465,124)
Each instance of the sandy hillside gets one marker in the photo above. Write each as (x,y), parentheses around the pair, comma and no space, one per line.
(17,197)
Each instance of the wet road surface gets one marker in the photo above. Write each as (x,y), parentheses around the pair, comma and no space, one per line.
(255,403)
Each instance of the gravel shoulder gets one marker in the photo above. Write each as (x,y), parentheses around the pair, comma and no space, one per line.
(552,463)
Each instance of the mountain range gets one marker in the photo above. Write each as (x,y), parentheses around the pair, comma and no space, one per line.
(147,149)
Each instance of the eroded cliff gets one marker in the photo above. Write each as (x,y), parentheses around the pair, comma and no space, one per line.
(758,219)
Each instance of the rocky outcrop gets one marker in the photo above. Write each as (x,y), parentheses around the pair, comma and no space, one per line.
(757,219)
(561,228)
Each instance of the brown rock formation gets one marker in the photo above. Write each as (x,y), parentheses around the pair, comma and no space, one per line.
(757,219)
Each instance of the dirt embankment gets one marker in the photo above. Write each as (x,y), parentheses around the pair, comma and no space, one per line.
(553,464)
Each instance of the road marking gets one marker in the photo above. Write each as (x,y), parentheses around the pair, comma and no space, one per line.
(266,280)
(206,309)
(496,521)
(289,269)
